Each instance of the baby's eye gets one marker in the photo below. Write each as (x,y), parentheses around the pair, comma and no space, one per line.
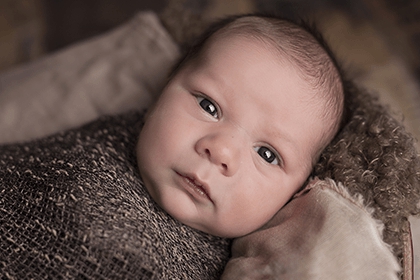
(267,154)
(208,106)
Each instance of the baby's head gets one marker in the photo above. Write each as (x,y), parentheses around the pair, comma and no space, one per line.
(237,129)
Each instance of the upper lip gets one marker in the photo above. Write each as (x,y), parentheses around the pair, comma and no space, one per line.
(193,178)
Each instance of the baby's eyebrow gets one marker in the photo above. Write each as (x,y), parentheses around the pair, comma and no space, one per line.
(277,133)
(208,80)
(282,140)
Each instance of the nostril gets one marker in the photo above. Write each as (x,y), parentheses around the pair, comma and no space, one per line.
(207,152)
(224,166)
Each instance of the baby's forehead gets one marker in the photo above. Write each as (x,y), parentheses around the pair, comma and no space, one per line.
(251,46)
(240,42)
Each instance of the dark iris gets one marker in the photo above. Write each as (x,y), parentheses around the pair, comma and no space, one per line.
(266,154)
(209,107)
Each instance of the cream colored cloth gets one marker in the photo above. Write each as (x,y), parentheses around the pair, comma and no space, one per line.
(322,233)
(113,73)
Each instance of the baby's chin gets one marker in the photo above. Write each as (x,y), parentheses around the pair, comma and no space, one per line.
(219,231)
(214,231)
(184,216)
(209,228)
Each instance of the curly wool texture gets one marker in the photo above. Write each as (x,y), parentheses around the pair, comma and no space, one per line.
(375,156)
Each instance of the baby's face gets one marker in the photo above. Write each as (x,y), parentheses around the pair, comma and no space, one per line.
(231,139)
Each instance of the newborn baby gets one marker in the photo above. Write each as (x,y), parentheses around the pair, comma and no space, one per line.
(234,134)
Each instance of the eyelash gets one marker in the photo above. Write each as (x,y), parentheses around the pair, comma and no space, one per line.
(205,103)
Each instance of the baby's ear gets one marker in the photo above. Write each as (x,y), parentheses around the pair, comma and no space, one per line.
(323,232)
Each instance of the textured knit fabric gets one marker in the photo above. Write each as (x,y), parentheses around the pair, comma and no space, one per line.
(73,206)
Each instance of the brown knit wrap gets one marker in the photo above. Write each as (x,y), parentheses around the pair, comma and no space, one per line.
(73,206)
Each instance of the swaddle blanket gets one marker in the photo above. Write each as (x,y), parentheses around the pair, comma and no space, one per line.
(73,206)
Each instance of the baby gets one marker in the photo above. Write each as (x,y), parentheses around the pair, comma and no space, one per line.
(240,124)
(234,134)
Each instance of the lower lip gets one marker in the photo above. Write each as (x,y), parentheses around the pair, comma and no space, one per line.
(193,189)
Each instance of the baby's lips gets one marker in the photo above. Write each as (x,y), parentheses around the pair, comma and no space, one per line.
(199,184)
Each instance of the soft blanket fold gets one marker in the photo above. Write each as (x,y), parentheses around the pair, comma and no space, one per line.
(321,234)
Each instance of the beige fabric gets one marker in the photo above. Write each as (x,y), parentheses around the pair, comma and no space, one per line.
(321,234)
(112,73)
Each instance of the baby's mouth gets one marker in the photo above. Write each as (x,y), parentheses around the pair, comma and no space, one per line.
(196,185)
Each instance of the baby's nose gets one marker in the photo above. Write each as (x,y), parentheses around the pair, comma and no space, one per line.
(222,149)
